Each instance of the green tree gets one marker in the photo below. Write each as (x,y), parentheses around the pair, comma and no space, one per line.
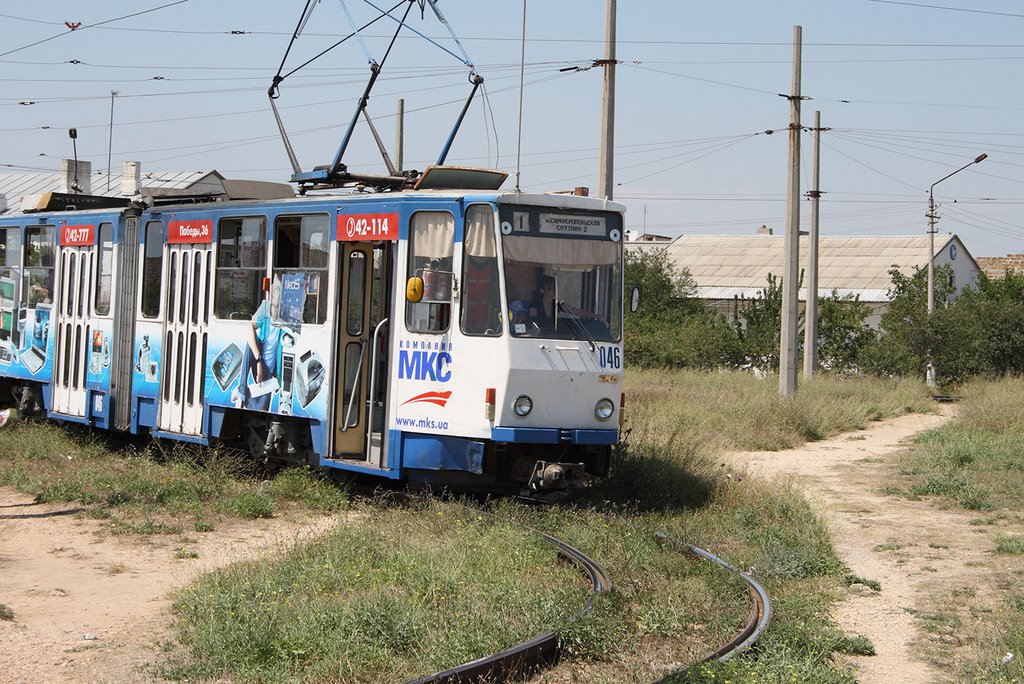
(664,289)
(903,343)
(1004,322)
(842,332)
(671,327)
(981,333)
(758,325)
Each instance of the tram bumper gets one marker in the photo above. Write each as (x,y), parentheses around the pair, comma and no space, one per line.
(551,459)
(554,436)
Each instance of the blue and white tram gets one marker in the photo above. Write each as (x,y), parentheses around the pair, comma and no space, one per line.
(461,338)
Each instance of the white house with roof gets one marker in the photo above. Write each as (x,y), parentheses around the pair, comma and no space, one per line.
(728,268)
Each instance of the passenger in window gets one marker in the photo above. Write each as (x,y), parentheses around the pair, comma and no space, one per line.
(262,353)
(436,283)
(542,305)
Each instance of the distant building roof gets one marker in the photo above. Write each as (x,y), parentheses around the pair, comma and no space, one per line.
(646,237)
(131,182)
(724,267)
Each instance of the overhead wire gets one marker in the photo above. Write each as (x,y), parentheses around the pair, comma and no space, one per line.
(894,140)
(932,161)
(868,166)
(703,80)
(318,129)
(92,26)
(906,144)
(560,39)
(946,7)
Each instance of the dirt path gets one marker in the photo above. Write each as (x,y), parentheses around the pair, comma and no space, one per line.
(89,607)
(913,548)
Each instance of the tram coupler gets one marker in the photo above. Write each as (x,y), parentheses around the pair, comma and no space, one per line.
(549,476)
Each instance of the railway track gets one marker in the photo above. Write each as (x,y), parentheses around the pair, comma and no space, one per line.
(542,650)
(535,653)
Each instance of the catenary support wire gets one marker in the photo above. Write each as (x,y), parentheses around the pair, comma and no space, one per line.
(337,174)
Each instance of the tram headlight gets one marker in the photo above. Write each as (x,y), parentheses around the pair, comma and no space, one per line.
(522,405)
(604,409)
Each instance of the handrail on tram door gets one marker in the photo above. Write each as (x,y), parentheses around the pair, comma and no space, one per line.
(355,381)
(373,385)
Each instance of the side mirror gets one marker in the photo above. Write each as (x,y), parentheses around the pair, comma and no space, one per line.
(414,289)
(634,300)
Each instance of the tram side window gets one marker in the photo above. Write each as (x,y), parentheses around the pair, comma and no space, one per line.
(301,245)
(241,266)
(152,269)
(481,305)
(10,264)
(105,269)
(39,260)
(10,277)
(431,246)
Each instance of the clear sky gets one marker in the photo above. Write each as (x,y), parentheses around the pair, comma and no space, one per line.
(910,91)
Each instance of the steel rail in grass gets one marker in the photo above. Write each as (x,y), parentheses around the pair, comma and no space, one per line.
(761,609)
(535,653)
(542,650)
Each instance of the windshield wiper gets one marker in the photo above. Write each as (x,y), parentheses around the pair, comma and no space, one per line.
(577,324)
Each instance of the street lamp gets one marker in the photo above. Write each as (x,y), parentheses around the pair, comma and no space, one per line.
(932,217)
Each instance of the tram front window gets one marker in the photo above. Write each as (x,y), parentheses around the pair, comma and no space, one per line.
(563,287)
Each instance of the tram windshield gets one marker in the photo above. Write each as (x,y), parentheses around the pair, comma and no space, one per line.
(563,273)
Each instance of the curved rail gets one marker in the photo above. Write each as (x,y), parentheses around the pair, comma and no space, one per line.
(542,650)
(761,609)
(532,654)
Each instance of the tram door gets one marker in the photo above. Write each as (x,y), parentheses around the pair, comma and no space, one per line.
(73,310)
(186,316)
(361,380)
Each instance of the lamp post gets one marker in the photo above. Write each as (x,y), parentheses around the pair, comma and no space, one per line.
(932,217)
(73,134)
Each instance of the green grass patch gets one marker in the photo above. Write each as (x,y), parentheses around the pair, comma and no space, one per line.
(888,546)
(735,411)
(406,592)
(310,487)
(144,528)
(6,613)
(152,487)
(974,461)
(1009,544)
(250,505)
(874,585)
(856,645)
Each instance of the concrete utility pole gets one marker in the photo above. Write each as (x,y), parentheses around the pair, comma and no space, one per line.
(790,287)
(400,135)
(811,312)
(110,136)
(606,169)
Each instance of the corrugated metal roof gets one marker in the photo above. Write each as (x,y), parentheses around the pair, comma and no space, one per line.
(739,265)
(14,186)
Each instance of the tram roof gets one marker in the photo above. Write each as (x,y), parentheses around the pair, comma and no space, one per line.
(553,200)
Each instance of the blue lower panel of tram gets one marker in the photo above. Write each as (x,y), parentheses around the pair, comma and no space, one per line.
(554,436)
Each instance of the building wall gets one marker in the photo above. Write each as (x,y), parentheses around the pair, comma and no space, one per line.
(996,267)
(965,268)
